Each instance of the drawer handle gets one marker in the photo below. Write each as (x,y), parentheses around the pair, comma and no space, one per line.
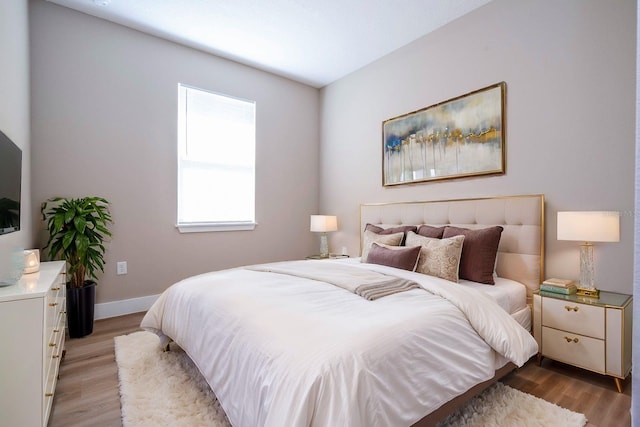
(53,304)
(570,339)
(48,395)
(55,356)
(52,344)
(571,308)
(55,331)
(55,289)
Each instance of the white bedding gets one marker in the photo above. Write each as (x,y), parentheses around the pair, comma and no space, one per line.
(509,294)
(281,350)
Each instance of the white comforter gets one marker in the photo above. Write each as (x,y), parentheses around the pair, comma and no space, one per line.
(280,350)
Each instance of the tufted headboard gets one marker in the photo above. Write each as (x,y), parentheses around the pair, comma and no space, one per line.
(521,249)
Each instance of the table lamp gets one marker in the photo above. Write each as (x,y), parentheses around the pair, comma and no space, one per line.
(31,261)
(588,227)
(323,224)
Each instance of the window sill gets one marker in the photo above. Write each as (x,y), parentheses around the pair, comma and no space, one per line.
(206,227)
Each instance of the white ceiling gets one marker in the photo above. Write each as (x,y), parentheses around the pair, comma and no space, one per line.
(312,41)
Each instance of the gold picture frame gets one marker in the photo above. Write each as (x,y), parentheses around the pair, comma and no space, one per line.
(458,138)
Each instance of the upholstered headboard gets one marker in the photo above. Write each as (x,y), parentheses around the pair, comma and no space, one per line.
(521,249)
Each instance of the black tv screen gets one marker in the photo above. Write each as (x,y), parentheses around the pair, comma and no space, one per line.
(10,185)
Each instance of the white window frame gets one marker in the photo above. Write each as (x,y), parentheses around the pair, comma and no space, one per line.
(206,226)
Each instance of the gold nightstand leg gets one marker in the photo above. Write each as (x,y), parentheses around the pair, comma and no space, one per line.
(618,384)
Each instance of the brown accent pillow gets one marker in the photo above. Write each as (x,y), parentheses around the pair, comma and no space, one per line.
(438,257)
(430,231)
(478,252)
(392,230)
(402,257)
(370,237)
(380,230)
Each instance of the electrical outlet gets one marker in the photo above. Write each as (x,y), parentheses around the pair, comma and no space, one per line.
(122,267)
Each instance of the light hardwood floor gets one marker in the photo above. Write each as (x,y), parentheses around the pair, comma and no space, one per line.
(87,391)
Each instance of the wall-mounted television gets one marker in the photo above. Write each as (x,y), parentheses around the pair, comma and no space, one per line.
(10,185)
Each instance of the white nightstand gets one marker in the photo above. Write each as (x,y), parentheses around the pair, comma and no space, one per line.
(590,333)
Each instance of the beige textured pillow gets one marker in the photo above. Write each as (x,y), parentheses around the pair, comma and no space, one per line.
(438,257)
(387,239)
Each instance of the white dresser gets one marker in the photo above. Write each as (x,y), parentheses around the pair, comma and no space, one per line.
(32,331)
(591,333)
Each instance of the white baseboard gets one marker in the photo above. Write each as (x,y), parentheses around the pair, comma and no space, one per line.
(126,306)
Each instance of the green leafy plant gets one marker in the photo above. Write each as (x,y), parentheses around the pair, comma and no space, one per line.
(77,231)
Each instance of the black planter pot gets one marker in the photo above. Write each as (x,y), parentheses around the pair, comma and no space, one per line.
(80,303)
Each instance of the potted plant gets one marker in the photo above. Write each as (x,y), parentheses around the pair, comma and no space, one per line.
(77,231)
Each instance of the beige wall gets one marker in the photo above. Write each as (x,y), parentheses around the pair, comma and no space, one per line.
(570,73)
(14,113)
(104,123)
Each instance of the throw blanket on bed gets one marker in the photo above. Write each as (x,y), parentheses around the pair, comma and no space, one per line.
(368,284)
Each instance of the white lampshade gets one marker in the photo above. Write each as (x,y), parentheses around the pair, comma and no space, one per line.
(324,223)
(589,226)
(31,261)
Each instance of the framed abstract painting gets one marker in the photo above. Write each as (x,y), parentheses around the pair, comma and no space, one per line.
(458,138)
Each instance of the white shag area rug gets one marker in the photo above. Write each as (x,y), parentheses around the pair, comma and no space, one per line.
(166,389)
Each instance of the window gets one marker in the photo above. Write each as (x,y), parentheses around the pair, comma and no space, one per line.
(216,161)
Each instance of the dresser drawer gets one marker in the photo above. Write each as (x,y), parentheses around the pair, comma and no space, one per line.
(54,354)
(55,340)
(573,317)
(575,349)
(52,308)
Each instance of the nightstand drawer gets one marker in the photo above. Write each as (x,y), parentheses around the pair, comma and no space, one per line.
(574,317)
(574,349)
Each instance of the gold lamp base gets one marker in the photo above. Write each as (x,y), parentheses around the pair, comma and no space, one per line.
(588,292)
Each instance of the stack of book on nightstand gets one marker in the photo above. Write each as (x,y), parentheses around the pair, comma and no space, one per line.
(559,286)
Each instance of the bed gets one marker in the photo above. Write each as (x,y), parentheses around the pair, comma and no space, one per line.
(289,344)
